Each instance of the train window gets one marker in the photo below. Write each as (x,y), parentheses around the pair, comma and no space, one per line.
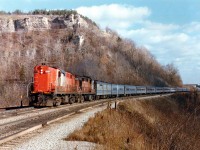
(59,74)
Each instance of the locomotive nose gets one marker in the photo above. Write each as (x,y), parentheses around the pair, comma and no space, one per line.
(39,69)
(41,79)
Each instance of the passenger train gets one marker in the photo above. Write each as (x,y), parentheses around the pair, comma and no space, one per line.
(52,86)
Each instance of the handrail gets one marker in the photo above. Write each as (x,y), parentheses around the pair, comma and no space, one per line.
(28,86)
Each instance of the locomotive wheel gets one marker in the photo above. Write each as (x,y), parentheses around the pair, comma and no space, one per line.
(57,101)
(97,97)
(90,98)
(72,100)
(65,99)
(32,100)
(41,100)
(50,103)
(80,99)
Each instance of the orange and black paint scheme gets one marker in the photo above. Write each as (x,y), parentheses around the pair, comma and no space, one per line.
(53,86)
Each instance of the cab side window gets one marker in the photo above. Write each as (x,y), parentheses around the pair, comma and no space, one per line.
(59,74)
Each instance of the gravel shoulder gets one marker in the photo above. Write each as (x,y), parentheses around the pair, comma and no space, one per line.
(51,136)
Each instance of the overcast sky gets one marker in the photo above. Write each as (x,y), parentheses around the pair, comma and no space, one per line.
(170,29)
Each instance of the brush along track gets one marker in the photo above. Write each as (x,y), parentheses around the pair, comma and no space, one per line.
(22,124)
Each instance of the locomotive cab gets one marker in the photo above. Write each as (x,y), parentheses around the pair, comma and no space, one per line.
(85,84)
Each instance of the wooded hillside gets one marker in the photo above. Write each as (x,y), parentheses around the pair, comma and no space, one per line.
(73,43)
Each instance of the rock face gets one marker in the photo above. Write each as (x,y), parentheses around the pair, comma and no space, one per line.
(34,23)
(7,25)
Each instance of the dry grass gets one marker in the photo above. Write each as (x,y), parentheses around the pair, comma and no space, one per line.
(164,123)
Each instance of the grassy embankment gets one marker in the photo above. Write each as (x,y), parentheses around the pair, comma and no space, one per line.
(162,123)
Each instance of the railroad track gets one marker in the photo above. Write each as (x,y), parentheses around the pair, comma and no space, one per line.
(16,112)
(11,127)
(15,126)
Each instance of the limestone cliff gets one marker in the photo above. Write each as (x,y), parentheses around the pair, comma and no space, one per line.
(38,23)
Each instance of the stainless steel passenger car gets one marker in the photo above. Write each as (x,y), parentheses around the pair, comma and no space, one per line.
(141,89)
(166,90)
(103,89)
(130,90)
(159,89)
(150,90)
(172,90)
(117,90)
